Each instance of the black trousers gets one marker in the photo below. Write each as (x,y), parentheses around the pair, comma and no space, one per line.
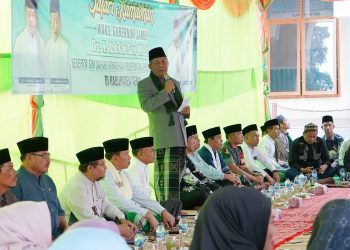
(173,206)
(193,199)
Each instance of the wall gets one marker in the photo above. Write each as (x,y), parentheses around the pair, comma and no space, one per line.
(303,110)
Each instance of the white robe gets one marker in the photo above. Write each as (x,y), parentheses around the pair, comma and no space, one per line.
(255,160)
(123,194)
(139,175)
(268,148)
(86,199)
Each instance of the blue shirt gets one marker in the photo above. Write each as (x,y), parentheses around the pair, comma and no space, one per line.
(39,188)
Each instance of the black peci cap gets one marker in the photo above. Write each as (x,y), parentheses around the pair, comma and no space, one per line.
(116,145)
(90,155)
(249,128)
(143,142)
(33,144)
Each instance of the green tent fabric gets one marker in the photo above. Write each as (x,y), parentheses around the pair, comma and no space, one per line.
(5,72)
(229,90)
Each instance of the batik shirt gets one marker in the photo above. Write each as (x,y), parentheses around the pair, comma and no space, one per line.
(333,145)
(232,155)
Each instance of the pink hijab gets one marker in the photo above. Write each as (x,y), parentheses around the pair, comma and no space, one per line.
(25,225)
(97,223)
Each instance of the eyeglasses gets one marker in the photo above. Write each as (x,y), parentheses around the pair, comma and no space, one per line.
(43,155)
(101,164)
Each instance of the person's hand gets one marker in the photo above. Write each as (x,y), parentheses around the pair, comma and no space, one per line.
(131,225)
(232,178)
(307,170)
(259,179)
(152,221)
(229,177)
(269,179)
(186,110)
(64,227)
(237,179)
(126,231)
(334,164)
(322,169)
(276,176)
(168,219)
(63,223)
(169,86)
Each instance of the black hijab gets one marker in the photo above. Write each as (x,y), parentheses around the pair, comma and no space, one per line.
(331,229)
(233,218)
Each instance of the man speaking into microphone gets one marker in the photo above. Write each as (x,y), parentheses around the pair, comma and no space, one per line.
(160,97)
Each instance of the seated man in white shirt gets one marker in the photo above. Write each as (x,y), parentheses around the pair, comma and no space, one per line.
(254,158)
(137,205)
(143,152)
(268,144)
(83,198)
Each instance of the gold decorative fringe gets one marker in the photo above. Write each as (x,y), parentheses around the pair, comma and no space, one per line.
(237,8)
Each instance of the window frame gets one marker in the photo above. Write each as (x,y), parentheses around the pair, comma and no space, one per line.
(335,59)
(301,91)
(295,93)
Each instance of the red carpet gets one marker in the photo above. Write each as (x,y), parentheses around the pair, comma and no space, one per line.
(295,221)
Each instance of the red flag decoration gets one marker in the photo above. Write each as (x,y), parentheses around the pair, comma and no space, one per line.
(203,4)
(174,1)
(263,5)
(37,102)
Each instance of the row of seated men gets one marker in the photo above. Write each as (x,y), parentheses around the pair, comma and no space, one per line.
(98,191)
(334,141)
(258,163)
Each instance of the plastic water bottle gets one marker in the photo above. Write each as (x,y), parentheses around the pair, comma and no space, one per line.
(277,191)
(314,177)
(265,192)
(342,175)
(196,216)
(160,232)
(139,241)
(183,225)
(287,184)
(277,187)
(302,179)
(297,180)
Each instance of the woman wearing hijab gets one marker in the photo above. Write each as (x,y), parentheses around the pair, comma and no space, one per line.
(88,238)
(96,223)
(25,225)
(234,218)
(332,226)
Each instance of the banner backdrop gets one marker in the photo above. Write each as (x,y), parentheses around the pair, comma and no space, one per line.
(98,46)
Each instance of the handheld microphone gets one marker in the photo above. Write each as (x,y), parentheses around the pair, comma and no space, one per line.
(166,78)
